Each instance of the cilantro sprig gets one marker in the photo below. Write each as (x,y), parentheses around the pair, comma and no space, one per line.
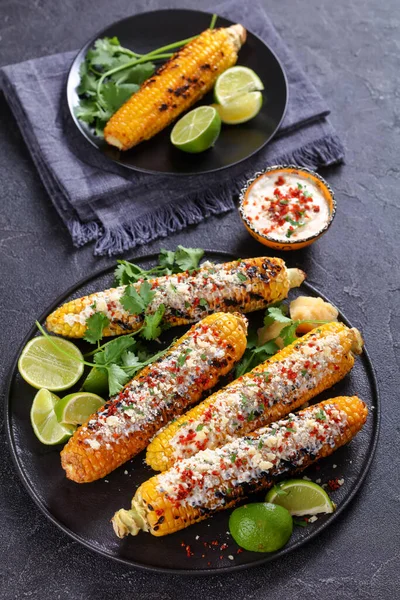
(111,74)
(169,262)
(114,363)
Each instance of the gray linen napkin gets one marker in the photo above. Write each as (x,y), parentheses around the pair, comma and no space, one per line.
(120,209)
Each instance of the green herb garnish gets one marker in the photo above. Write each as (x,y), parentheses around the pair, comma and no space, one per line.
(111,74)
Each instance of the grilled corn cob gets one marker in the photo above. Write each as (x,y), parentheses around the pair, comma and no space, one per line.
(217,479)
(176,86)
(244,286)
(270,391)
(124,425)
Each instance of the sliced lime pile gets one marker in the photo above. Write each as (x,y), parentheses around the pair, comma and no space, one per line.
(301,497)
(261,527)
(55,365)
(44,421)
(197,131)
(75,409)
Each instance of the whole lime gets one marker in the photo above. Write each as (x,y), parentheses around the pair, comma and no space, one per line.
(261,526)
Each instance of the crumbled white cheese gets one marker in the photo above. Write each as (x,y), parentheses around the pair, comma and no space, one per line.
(94,444)
(244,460)
(236,406)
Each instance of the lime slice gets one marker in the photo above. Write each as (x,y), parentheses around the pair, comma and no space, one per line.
(46,364)
(75,409)
(197,131)
(44,421)
(261,527)
(301,497)
(234,82)
(241,109)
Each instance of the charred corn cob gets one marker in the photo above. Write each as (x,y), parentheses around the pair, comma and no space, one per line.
(270,391)
(124,425)
(176,86)
(217,479)
(244,285)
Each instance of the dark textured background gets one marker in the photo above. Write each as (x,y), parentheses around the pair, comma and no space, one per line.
(351,50)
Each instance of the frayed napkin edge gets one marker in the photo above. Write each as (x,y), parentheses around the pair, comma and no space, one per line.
(116,239)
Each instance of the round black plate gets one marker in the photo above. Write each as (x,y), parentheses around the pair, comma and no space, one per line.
(84,511)
(147,31)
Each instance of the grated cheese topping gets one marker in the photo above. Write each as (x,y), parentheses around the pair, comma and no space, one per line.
(210,478)
(209,289)
(238,405)
(168,381)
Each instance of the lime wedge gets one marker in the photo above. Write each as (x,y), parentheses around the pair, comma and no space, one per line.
(234,82)
(44,421)
(261,527)
(241,109)
(75,409)
(55,365)
(197,131)
(301,497)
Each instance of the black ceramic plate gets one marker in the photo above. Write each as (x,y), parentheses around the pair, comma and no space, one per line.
(147,31)
(84,511)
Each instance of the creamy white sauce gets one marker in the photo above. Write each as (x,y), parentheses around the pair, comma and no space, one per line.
(286,206)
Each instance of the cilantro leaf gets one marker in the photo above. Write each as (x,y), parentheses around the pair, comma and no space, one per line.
(151,329)
(270,348)
(275,314)
(113,350)
(95,325)
(241,276)
(104,52)
(166,259)
(132,301)
(114,96)
(146,293)
(127,272)
(99,102)
(87,111)
(134,75)
(117,378)
(188,258)
(137,302)
(96,382)
(130,359)
(288,333)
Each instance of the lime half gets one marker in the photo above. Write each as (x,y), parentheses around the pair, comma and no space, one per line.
(44,421)
(55,365)
(197,131)
(234,82)
(75,409)
(241,109)
(301,497)
(261,527)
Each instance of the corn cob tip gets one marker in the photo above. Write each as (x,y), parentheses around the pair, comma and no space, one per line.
(127,522)
(358,341)
(296,277)
(239,35)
